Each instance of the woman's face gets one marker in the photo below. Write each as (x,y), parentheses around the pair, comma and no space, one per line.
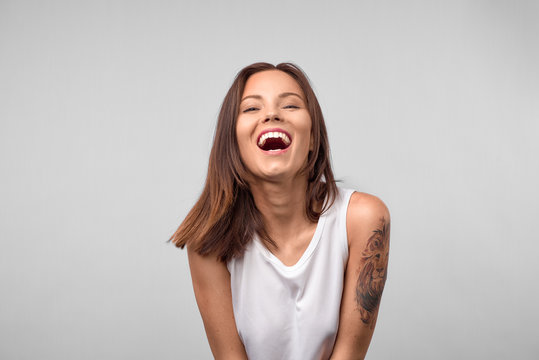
(273,126)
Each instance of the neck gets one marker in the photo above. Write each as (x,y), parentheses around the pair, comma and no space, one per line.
(282,205)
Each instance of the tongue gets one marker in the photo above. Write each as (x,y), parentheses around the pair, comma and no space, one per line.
(274,144)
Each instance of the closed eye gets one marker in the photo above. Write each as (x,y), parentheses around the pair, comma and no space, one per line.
(250,109)
(291,107)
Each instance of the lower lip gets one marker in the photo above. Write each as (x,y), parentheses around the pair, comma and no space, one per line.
(274,152)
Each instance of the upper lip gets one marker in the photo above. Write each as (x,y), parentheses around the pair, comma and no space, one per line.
(273,130)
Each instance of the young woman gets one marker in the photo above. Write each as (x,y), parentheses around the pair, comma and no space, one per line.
(285,265)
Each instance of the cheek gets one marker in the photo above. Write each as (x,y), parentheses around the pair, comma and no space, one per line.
(242,133)
(305,128)
(243,137)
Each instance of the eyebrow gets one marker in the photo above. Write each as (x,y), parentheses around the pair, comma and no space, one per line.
(282,95)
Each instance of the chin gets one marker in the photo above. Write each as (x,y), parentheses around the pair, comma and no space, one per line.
(277,168)
(273,175)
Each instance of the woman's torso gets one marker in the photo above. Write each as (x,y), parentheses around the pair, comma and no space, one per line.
(292,312)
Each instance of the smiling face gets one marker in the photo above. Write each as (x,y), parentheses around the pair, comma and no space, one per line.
(273,127)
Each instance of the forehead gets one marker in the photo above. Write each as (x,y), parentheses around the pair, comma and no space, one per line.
(271,82)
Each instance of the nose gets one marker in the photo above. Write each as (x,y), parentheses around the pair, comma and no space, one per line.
(271,116)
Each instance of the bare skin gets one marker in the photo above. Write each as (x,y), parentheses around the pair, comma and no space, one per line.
(211,283)
(283,210)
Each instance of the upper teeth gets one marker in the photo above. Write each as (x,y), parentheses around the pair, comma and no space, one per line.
(273,134)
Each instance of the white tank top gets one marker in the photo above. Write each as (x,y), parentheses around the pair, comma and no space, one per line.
(292,312)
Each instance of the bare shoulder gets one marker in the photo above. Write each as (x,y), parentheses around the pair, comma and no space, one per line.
(365,213)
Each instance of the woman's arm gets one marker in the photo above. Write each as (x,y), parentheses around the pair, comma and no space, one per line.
(211,282)
(367,224)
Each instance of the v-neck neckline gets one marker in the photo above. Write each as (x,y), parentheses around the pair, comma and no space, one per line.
(306,254)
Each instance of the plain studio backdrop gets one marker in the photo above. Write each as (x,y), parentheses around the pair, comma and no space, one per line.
(108,110)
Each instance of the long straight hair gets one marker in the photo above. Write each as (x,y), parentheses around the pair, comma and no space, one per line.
(225,218)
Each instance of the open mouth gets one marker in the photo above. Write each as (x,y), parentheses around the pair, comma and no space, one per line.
(273,141)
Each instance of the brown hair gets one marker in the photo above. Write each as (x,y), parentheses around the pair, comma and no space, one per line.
(225,218)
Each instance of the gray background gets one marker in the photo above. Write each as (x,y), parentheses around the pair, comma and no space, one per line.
(107,115)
